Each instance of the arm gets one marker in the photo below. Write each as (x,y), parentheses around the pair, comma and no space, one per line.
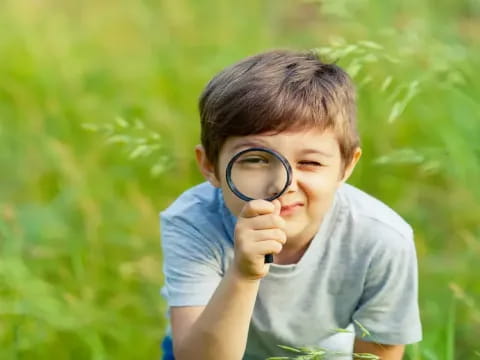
(219,330)
(385,352)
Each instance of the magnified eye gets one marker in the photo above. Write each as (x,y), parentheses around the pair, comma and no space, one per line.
(253,161)
(258,173)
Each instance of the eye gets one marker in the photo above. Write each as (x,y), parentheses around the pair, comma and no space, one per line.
(253,160)
(310,163)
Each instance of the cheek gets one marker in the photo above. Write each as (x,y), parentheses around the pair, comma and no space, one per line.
(234,204)
(320,189)
(314,185)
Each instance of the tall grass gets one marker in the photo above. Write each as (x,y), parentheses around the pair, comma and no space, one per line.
(80,266)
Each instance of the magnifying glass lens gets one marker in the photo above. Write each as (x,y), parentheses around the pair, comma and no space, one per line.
(259,174)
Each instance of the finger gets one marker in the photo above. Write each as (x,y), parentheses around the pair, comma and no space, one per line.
(278,206)
(269,221)
(269,234)
(257,207)
(268,247)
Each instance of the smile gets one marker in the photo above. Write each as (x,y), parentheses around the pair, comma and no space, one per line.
(290,209)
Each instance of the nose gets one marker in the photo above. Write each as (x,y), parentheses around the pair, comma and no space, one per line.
(276,185)
(279,180)
(293,187)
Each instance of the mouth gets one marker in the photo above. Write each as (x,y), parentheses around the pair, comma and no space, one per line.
(290,209)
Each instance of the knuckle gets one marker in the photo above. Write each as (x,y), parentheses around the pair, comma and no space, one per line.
(243,227)
(261,205)
(253,205)
(279,222)
(244,249)
(277,247)
(245,210)
(280,235)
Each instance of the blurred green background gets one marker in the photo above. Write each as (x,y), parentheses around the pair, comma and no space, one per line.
(98,119)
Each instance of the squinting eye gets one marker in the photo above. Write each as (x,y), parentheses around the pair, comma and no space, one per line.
(310,163)
(253,160)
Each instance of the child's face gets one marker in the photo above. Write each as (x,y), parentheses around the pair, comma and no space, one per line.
(317,170)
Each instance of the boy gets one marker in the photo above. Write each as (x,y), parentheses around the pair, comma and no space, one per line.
(342,260)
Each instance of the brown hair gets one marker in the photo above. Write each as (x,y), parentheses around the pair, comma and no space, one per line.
(276,91)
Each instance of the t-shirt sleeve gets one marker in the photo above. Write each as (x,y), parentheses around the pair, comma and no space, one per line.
(388,309)
(191,263)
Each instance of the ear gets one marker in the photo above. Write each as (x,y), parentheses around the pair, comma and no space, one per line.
(205,166)
(349,169)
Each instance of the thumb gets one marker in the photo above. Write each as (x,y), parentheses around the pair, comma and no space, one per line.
(278,207)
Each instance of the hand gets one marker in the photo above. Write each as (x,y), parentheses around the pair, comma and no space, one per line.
(259,231)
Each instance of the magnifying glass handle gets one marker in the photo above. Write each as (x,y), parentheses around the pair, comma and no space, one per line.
(268,258)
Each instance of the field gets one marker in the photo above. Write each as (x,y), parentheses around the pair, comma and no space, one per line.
(98,119)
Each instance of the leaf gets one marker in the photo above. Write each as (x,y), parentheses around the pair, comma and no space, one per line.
(431,167)
(107,129)
(118,139)
(141,150)
(140,141)
(399,106)
(391,59)
(339,330)
(354,68)
(313,350)
(289,348)
(155,136)
(371,44)
(121,122)
(338,41)
(89,127)
(386,83)
(413,90)
(396,111)
(348,50)
(368,79)
(365,332)
(370,58)
(401,156)
(365,356)
(159,168)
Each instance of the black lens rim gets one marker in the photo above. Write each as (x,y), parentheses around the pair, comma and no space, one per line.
(283,160)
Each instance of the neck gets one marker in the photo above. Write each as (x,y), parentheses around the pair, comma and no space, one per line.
(295,247)
(291,256)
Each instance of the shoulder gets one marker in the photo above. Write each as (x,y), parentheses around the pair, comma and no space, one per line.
(195,245)
(199,202)
(375,223)
(200,210)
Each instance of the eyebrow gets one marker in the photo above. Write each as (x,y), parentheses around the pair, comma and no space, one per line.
(250,144)
(316,151)
(259,143)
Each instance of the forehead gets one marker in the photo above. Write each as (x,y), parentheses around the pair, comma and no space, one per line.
(289,143)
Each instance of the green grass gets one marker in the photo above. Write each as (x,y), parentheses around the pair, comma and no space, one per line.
(80,266)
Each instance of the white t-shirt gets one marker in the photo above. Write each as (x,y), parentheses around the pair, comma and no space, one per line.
(359,272)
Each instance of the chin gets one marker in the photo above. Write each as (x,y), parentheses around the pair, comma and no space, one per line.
(295,232)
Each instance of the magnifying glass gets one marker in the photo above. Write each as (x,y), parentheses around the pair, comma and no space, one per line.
(259,173)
